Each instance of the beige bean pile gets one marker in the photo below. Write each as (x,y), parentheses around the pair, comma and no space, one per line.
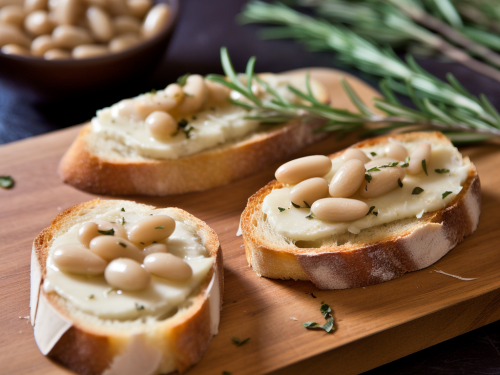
(357,176)
(125,259)
(78,29)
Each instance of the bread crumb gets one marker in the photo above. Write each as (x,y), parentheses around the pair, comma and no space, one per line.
(455,276)
(292,318)
(420,214)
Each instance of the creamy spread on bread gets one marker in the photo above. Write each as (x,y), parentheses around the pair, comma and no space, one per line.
(212,122)
(92,294)
(438,190)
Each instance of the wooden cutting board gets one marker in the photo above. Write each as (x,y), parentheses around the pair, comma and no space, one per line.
(376,324)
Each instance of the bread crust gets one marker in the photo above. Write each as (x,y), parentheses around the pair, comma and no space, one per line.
(87,350)
(358,265)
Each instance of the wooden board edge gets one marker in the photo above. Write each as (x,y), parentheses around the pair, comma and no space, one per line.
(404,339)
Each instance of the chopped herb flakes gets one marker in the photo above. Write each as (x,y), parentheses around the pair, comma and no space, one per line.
(407,163)
(311,216)
(91,296)
(281,209)
(139,307)
(311,294)
(446,193)
(441,171)
(123,221)
(375,213)
(373,153)
(295,205)
(368,177)
(110,232)
(371,209)
(417,191)
(239,342)
(329,326)
(187,131)
(122,244)
(6,182)
(400,183)
(181,81)
(307,205)
(123,209)
(182,123)
(160,227)
(424,167)
(374,169)
(390,165)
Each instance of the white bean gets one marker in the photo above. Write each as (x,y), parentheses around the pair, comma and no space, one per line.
(151,229)
(155,248)
(74,259)
(38,23)
(100,24)
(67,12)
(217,93)
(14,49)
(118,7)
(339,209)
(175,92)
(195,95)
(10,34)
(382,182)
(396,151)
(161,125)
(87,51)
(68,36)
(32,5)
(110,247)
(347,179)
(421,153)
(139,8)
(127,275)
(354,153)
(303,168)
(156,20)
(126,108)
(42,44)
(56,54)
(168,266)
(13,14)
(126,24)
(309,191)
(123,42)
(151,103)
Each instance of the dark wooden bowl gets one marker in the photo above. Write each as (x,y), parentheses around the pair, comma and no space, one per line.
(68,77)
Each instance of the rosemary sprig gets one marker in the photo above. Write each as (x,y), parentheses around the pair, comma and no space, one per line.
(444,106)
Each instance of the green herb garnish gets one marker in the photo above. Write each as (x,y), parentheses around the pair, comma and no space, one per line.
(239,342)
(110,232)
(311,216)
(390,165)
(424,166)
(181,81)
(329,326)
(139,307)
(373,153)
(91,296)
(123,209)
(123,221)
(6,182)
(307,205)
(374,169)
(187,131)
(407,163)
(446,193)
(400,183)
(182,123)
(417,191)
(441,171)
(368,177)
(295,205)
(122,244)
(375,213)
(160,227)
(371,209)
(281,209)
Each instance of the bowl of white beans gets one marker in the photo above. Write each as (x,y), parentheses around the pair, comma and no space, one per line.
(60,46)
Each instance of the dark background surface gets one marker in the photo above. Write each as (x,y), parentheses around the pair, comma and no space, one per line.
(205,26)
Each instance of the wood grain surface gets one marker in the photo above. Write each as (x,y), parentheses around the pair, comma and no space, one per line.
(376,324)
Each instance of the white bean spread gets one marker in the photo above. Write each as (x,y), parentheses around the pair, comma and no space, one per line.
(367,187)
(126,264)
(185,118)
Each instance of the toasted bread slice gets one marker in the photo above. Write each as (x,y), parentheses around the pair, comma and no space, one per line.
(90,165)
(88,344)
(376,254)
